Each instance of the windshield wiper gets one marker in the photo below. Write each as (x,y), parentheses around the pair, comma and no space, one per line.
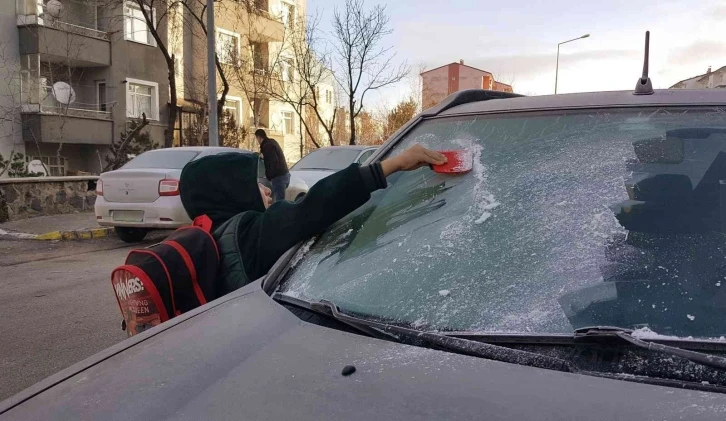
(436,340)
(708,360)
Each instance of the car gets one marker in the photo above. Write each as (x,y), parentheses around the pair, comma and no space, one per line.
(577,272)
(322,162)
(144,193)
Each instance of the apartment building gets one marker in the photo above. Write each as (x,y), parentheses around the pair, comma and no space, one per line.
(252,44)
(442,81)
(81,70)
(709,80)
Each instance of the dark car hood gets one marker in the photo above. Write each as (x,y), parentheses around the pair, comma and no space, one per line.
(246,357)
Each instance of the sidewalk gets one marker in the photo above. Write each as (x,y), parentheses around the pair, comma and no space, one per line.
(56,227)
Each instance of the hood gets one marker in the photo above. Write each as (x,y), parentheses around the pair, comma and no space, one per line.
(245,357)
(221,186)
(310,177)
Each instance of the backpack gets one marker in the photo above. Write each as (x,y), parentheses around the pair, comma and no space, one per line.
(167,279)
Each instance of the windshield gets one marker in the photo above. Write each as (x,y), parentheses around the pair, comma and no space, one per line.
(165,159)
(327,159)
(568,220)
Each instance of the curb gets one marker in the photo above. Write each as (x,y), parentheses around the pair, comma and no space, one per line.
(76,234)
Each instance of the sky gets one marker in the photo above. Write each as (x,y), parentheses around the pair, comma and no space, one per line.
(517,40)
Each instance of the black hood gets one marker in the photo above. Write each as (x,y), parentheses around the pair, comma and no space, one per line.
(221,186)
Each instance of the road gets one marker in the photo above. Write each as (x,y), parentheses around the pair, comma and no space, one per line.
(57,306)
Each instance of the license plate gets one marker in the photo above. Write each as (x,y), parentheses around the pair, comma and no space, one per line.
(128,216)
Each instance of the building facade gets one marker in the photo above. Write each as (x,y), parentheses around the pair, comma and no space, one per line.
(709,80)
(84,72)
(254,48)
(77,72)
(442,81)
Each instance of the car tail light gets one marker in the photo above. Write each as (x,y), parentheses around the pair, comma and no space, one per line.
(99,188)
(169,187)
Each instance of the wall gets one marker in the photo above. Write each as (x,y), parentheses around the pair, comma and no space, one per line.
(435,86)
(470,78)
(27,197)
(137,61)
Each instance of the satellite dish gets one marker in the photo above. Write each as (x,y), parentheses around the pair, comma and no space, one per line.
(35,166)
(54,8)
(63,93)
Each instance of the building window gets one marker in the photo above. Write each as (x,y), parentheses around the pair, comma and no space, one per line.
(288,127)
(258,58)
(101,97)
(288,15)
(135,25)
(232,108)
(329,96)
(287,70)
(56,165)
(227,46)
(142,97)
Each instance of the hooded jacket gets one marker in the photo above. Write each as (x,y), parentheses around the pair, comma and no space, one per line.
(250,238)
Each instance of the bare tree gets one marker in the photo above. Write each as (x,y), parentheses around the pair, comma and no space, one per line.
(197,10)
(364,65)
(310,69)
(163,18)
(132,142)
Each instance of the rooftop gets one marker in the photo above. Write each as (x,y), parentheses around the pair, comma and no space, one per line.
(699,76)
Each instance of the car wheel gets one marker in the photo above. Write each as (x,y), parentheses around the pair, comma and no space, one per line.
(131,235)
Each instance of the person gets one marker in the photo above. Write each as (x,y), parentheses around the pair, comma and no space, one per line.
(251,232)
(276,170)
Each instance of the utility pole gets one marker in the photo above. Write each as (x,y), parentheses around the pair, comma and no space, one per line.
(212,76)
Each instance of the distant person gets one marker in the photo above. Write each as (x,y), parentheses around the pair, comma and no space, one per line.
(276,170)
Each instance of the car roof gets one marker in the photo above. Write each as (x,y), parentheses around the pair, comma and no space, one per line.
(201,149)
(661,97)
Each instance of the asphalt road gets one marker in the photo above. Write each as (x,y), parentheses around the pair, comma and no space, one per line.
(56,306)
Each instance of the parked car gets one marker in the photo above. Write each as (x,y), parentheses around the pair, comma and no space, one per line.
(322,162)
(562,278)
(144,194)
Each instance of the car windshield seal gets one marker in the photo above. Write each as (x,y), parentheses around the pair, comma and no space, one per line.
(617,333)
(432,339)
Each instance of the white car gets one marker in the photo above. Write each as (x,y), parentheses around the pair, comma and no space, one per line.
(322,162)
(144,194)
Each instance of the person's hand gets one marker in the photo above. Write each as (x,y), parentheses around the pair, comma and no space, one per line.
(266,195)
(412,158)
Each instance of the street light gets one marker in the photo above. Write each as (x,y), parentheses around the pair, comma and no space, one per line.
(557,68)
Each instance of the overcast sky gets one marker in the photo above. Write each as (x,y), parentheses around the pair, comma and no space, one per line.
(517,40)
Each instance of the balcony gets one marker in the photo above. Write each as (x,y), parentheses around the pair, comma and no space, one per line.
(263,25)
(84,120)
(72,35)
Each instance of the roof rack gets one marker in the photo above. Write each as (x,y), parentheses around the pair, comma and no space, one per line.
(465,97)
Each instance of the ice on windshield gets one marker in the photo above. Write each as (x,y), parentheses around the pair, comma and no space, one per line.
(327,159)
(565,221)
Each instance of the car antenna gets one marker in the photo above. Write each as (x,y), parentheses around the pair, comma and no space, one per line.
(644,85)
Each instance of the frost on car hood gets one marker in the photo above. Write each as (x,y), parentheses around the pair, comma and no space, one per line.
(533,239)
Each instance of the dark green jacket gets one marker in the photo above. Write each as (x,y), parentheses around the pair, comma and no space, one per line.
(250,238)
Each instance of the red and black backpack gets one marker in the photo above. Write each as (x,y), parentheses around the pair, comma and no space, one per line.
(167,279)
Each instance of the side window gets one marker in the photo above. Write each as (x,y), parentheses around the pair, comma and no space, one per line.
(364,157)
(261,168)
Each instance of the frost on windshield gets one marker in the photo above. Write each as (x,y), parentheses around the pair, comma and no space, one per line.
(533,239)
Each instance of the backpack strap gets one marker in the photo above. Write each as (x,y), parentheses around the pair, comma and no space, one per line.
(203,222)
